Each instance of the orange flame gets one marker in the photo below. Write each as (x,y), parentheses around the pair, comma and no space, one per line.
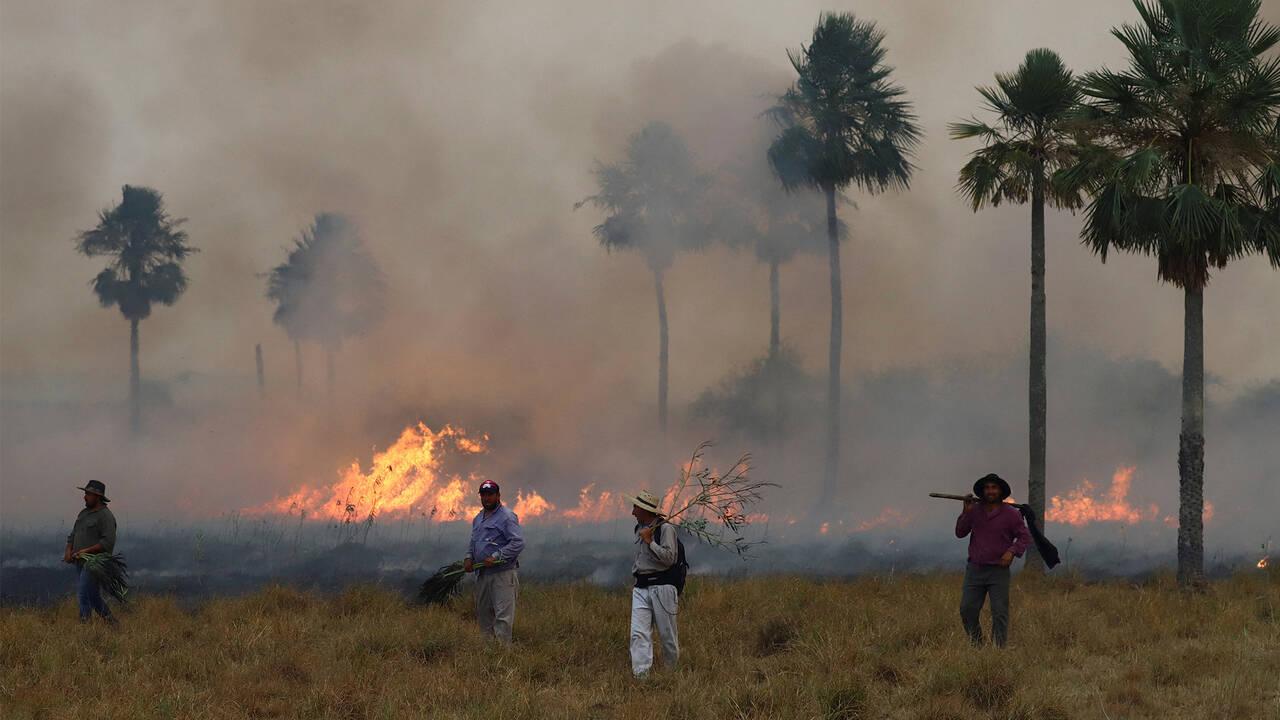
(602,507)
(409,479)
(891,517)
(532,505)
(1263,562)
(1207,515)
(1080,508)
(403,477)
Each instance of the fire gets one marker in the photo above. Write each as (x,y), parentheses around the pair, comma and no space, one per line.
(1208,513)
(410,478)
(1080,508)
(602,507)
(1263,562)
(531,505)
(891,517)
(825,527)
(400,479)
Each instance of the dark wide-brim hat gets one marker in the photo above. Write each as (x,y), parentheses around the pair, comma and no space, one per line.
(97,488)
(1005,490)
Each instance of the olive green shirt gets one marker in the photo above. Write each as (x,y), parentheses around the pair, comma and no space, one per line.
(93,527)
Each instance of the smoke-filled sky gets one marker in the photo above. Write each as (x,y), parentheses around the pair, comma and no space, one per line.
(459,136)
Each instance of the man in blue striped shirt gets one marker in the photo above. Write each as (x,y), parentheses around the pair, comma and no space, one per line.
(496,542)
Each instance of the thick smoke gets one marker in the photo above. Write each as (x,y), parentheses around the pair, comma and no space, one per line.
(459,138)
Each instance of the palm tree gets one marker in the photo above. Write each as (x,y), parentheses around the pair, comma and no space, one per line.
(147,249)
(654,200)
(753,213)
(286,286)
(843,123)
(1031,140)
(328,289)
(1183,167)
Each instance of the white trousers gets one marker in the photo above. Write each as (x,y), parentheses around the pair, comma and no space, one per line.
(496,603)
(656,605)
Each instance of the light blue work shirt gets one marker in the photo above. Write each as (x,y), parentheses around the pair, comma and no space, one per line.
(497,536)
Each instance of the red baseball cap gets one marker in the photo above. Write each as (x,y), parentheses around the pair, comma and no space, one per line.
(488,486)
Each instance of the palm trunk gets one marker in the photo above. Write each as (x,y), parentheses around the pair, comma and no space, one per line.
(262,378)
(833,371)
(135,380)
(662,351)
(297,364)
(1191,444)
(775,349)
(1038,385)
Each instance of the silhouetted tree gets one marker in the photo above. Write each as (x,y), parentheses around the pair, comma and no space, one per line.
(328,289)
(654,200)
(147,249)
(843,123)
(751,212)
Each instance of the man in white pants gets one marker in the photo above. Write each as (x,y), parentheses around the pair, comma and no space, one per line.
(654,599)
(496,542)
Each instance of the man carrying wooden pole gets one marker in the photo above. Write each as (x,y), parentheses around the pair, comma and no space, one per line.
(997,535)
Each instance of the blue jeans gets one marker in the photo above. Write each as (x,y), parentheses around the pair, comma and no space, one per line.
(90,595)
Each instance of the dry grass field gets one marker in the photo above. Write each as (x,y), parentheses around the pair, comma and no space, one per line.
(874,647)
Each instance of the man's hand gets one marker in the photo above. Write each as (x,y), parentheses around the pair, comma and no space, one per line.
(66,556)
(646,534)
(1006,559)
(490,561)
(467,565)
(969,501)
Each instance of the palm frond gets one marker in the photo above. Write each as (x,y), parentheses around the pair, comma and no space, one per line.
(110,571)
(146,247)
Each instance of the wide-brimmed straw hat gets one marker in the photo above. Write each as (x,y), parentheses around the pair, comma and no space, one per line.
(97,488)
(1005,490)
(645,501)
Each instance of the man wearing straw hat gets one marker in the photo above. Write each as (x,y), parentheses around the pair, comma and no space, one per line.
(496,542)
(94,532)
(997,534)
(654,599)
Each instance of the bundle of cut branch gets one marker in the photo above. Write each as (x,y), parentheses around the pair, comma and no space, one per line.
(438,588)
(110,571)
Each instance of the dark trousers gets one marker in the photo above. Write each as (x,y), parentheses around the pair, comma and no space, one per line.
(980,581)
(90,595)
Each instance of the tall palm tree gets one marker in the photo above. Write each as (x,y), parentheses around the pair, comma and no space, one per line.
(147,249)
(1183,168)
(752,213)
(328,289)
(654,200)
(1030,140)
(286,286)
(842,123)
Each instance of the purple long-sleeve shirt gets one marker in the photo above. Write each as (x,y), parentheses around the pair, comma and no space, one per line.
(991,536)
(496,535)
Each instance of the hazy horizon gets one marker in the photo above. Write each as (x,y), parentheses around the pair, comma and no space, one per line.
(459,138)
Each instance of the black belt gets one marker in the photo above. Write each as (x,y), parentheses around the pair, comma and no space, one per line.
(662,577)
